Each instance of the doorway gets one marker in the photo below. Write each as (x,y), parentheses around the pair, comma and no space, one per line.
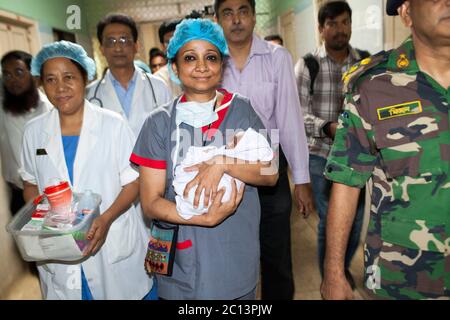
(287,27)
(17,33)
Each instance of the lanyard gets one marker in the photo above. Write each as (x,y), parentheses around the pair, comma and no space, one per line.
(209,127)
(206,135)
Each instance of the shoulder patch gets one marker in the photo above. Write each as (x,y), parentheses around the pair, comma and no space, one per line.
(361,68)
(403,62)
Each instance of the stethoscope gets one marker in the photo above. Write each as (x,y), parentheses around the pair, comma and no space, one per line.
(99,102)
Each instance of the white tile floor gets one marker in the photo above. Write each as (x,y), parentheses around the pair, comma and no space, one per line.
(25,288)
(304,255)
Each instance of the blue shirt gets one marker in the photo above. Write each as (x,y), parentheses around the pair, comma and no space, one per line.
(70,144)
(125,95)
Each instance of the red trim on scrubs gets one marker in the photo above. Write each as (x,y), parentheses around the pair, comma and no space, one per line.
(184,245)
(227,96)
(149,163)
(212,129)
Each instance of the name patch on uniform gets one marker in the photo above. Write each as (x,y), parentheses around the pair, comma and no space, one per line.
(399,110)
(41,152)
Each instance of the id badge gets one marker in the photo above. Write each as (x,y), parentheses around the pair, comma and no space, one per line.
(161,249)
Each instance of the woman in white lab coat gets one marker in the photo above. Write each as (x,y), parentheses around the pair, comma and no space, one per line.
(90,147)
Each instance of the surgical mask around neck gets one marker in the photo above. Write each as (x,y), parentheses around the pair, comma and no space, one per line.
(196,114)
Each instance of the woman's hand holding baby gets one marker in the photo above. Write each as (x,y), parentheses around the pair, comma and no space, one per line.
(208,178)
(219,211)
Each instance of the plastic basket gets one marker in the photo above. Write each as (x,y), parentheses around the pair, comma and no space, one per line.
(55,245)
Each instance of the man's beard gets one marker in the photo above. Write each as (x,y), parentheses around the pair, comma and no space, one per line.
(23,103)
(337,44)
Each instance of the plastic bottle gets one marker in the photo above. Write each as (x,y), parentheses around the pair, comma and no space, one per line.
(59,196)
(86,205)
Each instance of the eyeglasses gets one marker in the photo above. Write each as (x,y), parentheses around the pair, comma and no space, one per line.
(158,65)
(122,41)
(18,74)
(229,14)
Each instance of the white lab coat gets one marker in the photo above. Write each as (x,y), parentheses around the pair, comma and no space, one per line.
(142,104)
(11,135)
(101,165)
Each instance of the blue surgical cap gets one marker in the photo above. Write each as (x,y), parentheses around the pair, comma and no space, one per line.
(142,65)
(197,29)
(63,49)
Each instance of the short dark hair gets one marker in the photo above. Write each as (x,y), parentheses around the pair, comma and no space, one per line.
(218,3)
(331,10)
(194,15)
(273,37)
(82,70)
(171,25)
(117,18)
(18,55)
(156,52)
(166,27)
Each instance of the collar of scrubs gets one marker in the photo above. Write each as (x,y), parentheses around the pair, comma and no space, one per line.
(227,97)
(196,114)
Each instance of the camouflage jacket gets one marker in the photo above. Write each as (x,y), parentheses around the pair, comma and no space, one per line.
(395,130)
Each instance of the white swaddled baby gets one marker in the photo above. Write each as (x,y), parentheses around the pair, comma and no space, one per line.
(248,145)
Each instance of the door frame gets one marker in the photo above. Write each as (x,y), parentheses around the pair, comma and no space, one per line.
(290,17)
(30,25)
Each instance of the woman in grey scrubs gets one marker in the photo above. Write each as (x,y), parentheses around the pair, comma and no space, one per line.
(217,253)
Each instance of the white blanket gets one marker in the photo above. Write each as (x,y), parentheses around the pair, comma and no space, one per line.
(252,146)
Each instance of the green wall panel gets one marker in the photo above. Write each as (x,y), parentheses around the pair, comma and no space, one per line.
(50,12)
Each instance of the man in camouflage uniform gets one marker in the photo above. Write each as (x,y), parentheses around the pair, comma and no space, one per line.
(395,130)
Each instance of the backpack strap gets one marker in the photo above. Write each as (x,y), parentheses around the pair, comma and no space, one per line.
(363,54)
(313,67)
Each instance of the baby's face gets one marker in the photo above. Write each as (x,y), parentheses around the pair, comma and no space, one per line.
(233,143)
